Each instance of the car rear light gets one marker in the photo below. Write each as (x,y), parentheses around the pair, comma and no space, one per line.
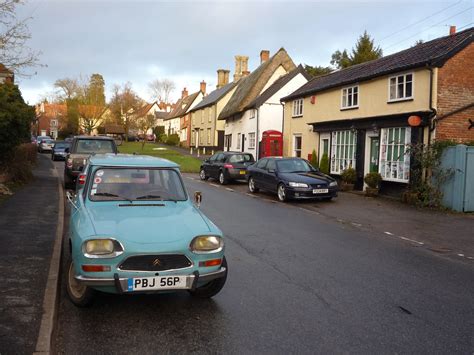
(228,166)
(212,262)
(69,163)
(82,179)
(95,268)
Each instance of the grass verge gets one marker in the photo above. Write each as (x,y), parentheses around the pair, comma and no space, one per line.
(187,164)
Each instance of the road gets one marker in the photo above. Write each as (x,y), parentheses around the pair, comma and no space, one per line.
(298,282)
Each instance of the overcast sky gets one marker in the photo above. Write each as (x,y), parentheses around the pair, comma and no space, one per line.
(187,41)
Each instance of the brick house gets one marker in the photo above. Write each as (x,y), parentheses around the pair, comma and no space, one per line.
(364,116)
(6,75)
(50,119)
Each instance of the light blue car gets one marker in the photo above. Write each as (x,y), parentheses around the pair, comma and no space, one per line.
(133,229)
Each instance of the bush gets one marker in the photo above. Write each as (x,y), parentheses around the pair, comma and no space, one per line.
(162,138)
(19,168)
(349,176)
(314,159)
(324,165)
(173,139)
(373,180)
(159,130)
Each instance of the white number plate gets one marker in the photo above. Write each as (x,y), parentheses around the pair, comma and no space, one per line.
(157,283)
(320,191)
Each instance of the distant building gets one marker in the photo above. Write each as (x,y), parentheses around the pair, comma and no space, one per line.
(6,75)
(51,118)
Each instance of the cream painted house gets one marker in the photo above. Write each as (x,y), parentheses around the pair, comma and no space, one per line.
(172,122)
(206,131)
(263,114)
(365,116)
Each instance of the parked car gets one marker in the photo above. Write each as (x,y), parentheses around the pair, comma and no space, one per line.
(59,150)
(45,145)
(40,138)
(132,138)
(81,148)
(134,229)
(291,178)
(226,166)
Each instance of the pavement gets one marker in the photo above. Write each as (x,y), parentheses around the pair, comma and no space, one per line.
(442,232)
(28,221)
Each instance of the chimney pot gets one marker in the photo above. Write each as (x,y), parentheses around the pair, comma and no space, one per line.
(222,78)
(452,30)
(264,55)
(184,93)
(241,66)
(203,87)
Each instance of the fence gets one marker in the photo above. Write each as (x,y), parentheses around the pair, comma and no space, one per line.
(458,191)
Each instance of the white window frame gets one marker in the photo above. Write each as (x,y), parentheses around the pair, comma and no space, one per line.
(295,150)
(343,151)
(201,133)
(404,97)
(252,140)
(349,92)
(391,169)
(239,138)
(210,115)
(209,136)
(202,116)
(297,108)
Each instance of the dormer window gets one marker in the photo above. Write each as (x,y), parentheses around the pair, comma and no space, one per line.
(350,97)
(401,87)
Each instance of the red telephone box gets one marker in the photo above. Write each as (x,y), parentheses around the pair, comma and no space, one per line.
(271,144)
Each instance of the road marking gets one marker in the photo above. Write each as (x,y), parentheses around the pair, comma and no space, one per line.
(356,224)
(388,233)
(412,240)
(229,189)
(249,194)
(190,178)
(461,255)
(213,185)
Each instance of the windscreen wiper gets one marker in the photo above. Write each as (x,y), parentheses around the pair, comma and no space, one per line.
(146,197)
(108,194)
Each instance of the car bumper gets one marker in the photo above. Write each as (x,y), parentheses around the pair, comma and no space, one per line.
(60,155)
(121,284)
(308,193)
(236,174)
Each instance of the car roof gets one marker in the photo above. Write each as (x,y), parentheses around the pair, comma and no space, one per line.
(232,153)
(124,160)
(94,137)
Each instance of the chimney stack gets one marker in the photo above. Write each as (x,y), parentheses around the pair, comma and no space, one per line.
(222,78)
(264,55)
(241,65)
(452,30)
(184,93)
(203,87)
(245,73)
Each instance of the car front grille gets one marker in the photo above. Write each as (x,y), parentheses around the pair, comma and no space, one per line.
(319,186)
(155,262)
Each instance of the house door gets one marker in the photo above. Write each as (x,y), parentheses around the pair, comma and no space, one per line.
(374,155)
(243,143)
(323,145)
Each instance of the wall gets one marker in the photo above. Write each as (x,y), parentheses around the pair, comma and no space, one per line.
(292,126)
(455,90)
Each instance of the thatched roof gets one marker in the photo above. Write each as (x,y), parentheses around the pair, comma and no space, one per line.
(214,96)
(182,106)
(249,87)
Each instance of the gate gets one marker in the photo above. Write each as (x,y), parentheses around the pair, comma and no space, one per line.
(458,192)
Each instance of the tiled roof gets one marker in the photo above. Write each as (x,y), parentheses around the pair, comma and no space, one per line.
(182,106)
(142,111)
(277,85)
(432,53)
(214,96)
(249,87)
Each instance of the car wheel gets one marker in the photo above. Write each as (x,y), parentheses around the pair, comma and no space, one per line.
(281,191)
(212,288)
(80,295)
(222,178)
(202,175)
(252,187)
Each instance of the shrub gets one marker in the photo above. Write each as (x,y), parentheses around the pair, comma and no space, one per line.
(159,130)
(314,159)
(324,165)
(162,138)
(373,180)
(19,167)
(173,139)
(349,175)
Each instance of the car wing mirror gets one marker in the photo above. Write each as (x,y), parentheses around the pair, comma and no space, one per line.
(271,171)
(71,196)
(198,198)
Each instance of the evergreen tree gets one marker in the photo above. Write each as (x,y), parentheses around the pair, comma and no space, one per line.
(364,51)
(96,90)
(317,70)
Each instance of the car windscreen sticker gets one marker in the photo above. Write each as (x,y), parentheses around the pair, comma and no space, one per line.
(93,191)
(97,180)
(130,284)
(99,173)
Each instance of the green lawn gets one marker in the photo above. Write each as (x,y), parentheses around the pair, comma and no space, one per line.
(187,164)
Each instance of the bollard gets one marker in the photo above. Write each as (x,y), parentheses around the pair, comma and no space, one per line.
(198,152)
(204,151)
(191,151)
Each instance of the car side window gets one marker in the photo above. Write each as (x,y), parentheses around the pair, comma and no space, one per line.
(271,165)
(220,158)
(213,158)
(261,163)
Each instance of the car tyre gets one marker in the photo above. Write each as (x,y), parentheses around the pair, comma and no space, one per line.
(80,295)
(222,178)
(252,188)
(202,175)
(281,192)
(211,288)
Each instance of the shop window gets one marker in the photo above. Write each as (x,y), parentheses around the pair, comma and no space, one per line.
(343,152)
(394,159)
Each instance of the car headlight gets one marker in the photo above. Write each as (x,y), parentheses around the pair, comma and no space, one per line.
(206,244)
(102,248)
(298,184)
(333,183)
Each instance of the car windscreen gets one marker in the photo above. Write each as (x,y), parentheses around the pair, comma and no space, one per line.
(61,145)
(136,184)
(89,146)
(293,166)
(241,158)
(47,141)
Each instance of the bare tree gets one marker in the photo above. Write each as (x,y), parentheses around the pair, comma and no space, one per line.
(14,33)
(144,123)
(123,103)
(68,88)
(90,117)
(160,90)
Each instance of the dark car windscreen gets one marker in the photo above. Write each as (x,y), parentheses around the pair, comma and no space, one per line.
(293,166)
(137,184)
(61,145)
(241,158)
(89,146)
